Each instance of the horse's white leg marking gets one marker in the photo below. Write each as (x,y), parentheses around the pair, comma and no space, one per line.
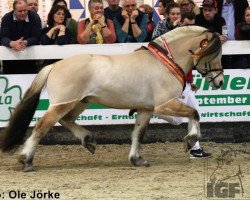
(177,108)
(142,120)
(53,114)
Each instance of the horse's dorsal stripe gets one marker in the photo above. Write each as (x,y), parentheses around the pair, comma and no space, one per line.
(162,54)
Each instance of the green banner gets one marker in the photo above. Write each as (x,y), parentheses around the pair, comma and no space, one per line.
(44,104)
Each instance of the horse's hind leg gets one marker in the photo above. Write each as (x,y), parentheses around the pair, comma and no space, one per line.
(142,120)
(68,121)
(177,108)
(50,118)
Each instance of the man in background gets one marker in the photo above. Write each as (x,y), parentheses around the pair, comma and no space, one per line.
(233,13)
(20,29)
(209,19)
(33,5)
(113,10)
(131,25)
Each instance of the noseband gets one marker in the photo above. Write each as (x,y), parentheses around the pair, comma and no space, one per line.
(208,70)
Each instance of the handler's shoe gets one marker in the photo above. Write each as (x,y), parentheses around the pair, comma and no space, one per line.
(199,153)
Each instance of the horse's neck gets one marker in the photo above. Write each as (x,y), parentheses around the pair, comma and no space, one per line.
(181,52)
(180,45)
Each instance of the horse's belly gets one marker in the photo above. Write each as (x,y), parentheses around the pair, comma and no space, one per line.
(122,101)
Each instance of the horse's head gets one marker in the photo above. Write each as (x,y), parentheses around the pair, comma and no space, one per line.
(194,46)
(207,60)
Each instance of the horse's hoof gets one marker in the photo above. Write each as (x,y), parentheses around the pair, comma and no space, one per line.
(187,146)
(28,168)
(189,142)
(90,143)
(138,162)
(27,165)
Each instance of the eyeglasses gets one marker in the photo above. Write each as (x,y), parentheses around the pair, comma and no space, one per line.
(185,4)
(32,4)
(131,5)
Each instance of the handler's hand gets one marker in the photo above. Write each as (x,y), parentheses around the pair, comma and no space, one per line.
(193,87)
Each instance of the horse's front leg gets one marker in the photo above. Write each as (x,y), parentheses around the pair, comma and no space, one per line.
(142,120)
(176,108)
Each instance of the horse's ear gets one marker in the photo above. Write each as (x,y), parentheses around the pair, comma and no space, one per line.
(209,35)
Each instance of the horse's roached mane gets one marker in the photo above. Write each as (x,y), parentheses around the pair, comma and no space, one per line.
(180,32)
(214,44)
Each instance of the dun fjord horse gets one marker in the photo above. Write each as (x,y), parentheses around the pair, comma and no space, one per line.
(139,80)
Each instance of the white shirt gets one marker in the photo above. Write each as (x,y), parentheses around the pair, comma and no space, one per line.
(228,15)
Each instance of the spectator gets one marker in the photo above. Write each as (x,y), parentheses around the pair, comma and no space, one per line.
(173,13)
(188,6)
(148,10)
(20,28)
(71,24)
(33,5)
(163,7)
(95,29)
(232,11)
(131,25)
(187,19)
(243,28)
(210,20)
(57,32)
(243,33)
(113,9)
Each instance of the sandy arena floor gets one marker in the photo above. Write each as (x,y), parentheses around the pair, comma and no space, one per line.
(74,173)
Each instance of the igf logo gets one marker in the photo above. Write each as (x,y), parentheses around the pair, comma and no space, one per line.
(222,190)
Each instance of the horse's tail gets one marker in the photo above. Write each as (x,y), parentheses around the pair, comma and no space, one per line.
(23,113)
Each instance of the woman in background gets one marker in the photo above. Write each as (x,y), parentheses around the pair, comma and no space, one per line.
(173,14)
(56,32)
(70,22)
(242,32)
(189,6)
(96,29)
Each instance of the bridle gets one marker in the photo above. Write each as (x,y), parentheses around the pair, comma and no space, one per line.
(207,67)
